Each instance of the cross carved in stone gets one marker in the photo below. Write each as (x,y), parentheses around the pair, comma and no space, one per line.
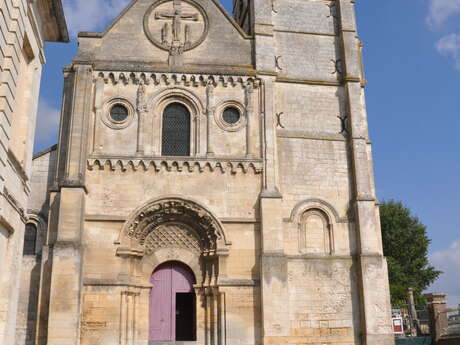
(177,16)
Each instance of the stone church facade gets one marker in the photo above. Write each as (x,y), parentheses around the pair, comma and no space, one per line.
(213,182)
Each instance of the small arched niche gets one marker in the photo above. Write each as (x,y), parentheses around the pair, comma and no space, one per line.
(315,233)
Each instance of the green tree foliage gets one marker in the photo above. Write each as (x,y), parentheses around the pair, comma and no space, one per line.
(405,244)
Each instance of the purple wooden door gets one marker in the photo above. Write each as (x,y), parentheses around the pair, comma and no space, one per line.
(167,280)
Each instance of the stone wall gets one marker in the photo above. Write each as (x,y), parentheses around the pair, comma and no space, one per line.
(42,179)
(44,167)
(24,26)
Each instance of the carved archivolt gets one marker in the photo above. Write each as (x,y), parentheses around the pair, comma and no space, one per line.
(175,223)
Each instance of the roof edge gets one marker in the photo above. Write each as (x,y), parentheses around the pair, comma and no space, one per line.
(45,151)
(58,12)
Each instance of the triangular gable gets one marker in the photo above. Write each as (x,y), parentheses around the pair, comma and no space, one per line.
(200,32)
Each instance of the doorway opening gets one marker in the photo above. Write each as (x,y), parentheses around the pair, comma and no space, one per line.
(185,317)
(172,304)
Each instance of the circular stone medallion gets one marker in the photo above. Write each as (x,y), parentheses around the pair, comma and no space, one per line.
(176,26)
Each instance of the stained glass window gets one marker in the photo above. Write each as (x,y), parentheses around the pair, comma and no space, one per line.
(119,113)
(231,115)
(176,131)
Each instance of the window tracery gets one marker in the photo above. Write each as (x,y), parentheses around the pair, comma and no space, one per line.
(176,131)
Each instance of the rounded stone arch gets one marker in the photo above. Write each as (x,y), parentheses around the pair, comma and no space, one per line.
(151,262)
(173,228)
(315,242)
(328,213)
(169,210)
(322,205)
(160,100)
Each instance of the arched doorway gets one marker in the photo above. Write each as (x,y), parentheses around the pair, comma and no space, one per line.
(172,303)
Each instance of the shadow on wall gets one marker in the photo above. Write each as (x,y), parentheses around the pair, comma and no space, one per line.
(33,302)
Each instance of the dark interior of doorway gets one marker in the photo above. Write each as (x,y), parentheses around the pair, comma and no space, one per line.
(185,317)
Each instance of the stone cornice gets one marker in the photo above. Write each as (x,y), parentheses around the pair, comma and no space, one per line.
(159,67)
(17,167)
(173,79)
(190,164)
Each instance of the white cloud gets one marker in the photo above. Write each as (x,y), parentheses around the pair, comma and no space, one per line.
(450,46)
(47,126)
(91,15)
(448,261)
(441,10)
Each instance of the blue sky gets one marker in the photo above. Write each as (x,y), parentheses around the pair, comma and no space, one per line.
(412,60)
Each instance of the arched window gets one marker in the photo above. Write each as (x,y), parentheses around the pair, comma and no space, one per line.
(176,131)
(30,239)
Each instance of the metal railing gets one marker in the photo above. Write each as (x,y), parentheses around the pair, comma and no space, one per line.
(453,322)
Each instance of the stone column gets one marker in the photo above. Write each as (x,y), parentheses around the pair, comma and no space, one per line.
(69,209)
(249,103)
(98,104)
(201,316)
(141,113)
(438,315)
(128,319)
(376,328)
(210,108)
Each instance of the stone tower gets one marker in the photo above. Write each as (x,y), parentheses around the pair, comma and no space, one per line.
(214,182)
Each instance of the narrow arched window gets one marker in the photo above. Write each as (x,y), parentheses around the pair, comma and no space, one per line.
(30,239)
(176,131)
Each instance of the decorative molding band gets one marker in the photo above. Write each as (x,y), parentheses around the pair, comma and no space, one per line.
(114,283)
(231,220)
(104,218)
(14,204)
(123,283)
(296,134)
(174,79)
(238,282)
(308,81)
(320,257)
(6,225)
(116,218)
(267,73)
(366,198)
(19,170)
(306,33)
(189,164)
